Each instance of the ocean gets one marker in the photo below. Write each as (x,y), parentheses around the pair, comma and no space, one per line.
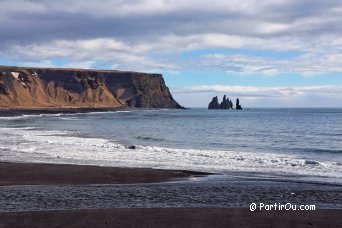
(299,144)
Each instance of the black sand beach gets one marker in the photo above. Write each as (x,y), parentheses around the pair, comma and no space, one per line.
(20,174)
(55,174)
(172,217)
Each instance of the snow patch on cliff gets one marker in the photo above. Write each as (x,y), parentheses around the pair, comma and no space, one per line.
(16,75)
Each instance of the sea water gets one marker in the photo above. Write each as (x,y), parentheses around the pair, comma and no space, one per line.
(287,144)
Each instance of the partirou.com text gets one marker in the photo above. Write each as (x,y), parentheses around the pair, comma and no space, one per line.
(281,207)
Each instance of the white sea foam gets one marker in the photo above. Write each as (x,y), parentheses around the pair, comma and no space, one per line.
(36,116)
(94,113)
(26,144)
(67,118)
(60,114)
(123,111)
(14,117)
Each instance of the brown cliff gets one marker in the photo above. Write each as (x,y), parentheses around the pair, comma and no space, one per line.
(23,87)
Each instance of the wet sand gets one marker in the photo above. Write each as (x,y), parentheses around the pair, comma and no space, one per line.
(54,174)
(61,174)
(172,217)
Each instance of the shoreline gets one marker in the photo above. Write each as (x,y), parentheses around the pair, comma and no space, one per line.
(9,112)
(15,112)
(12,173)
(43,174)
(172,217)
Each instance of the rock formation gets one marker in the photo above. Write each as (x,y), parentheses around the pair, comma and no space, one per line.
(226,103)
(238,106)
(23,87)
(214,104)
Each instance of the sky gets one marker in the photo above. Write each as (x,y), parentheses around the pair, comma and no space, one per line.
(268,53)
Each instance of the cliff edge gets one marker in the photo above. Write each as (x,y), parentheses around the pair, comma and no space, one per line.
(25,87)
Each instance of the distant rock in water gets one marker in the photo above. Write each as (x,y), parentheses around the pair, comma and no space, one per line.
(214,104)
(238,106)
(226,103)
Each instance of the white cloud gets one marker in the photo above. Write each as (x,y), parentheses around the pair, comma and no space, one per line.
(150,35)
(253,91)
(140,55)
(251,96)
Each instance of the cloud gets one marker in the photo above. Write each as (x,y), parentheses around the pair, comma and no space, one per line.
(305,64)
(140,55)
(251,96)
(151,34)
(86,18)
(252,91)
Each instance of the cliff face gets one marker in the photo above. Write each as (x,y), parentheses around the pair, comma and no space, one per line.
(22,87)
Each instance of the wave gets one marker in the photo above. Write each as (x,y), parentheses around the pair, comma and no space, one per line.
(64,147)
(319,151)
(67,118)
(123,111)
(17,117)
(148,138)
(36,116)
(94,112)
(155,110)
(24,116)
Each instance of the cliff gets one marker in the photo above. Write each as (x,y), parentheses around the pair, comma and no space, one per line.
(24,87)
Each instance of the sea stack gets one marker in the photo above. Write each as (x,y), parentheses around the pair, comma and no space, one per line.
(238,106)
(214,104)
(226,103)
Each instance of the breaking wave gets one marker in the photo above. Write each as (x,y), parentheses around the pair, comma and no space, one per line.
(27,144)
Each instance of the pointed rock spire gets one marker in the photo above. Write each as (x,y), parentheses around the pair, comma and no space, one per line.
(214,104)
(238,106)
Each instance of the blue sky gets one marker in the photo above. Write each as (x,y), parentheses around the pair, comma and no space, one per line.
(271,53)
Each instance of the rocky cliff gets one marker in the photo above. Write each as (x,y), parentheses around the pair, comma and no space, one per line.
(23,87)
